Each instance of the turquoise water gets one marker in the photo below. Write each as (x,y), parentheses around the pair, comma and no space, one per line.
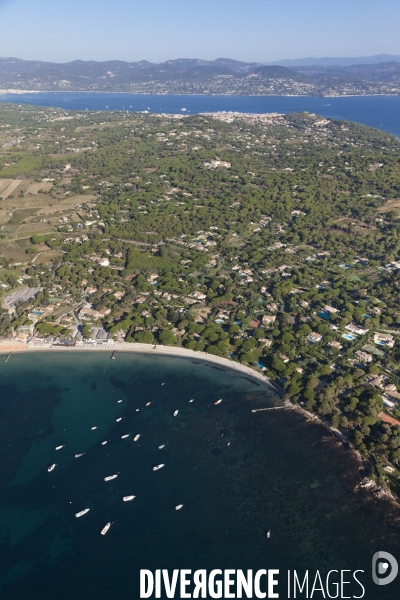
(382,112)
(278,473)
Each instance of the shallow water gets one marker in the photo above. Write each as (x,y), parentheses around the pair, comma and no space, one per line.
(279,473)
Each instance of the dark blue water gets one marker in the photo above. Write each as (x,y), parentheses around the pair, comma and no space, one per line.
(237,473)
(382,112)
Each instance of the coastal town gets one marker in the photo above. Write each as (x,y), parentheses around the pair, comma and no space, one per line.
(271,241)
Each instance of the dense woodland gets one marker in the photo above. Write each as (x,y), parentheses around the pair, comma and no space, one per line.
(263,239)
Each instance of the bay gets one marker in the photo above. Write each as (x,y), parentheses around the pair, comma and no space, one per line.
(238,474)
(382,112)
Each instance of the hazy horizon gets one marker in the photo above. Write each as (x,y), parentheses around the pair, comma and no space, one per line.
(258,31)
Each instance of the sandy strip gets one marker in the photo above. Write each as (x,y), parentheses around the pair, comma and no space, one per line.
(9,346)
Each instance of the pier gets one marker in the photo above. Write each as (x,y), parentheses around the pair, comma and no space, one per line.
(8,357)
(287,406)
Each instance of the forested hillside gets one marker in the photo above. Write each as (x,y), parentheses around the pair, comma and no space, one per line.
(273,240)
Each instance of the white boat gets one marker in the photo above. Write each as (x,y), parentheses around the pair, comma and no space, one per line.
(135,439)
(82,512)
(148,404)
(118,420)
(191,400)
(104,443)
(175,413)
(218,401)
(51,468)
(119,401)
(59,447)
(128,498)
(137,410)
(93,428)
(105,529)
(184,109)
(110,477)
(79,455)
(178,506)
(161,447)
(125,436)
(158,467)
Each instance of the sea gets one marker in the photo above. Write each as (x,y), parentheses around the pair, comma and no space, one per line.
(382,112)
(238,474)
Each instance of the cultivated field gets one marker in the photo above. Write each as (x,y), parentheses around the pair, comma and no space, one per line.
(8,186)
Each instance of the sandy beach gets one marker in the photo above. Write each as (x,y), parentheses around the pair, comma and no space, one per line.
(15,347)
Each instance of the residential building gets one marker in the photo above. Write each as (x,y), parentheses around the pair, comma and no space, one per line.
(314,338)
(384,339)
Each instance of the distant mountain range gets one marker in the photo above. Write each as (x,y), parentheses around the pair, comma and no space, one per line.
(342,61)
(196,76)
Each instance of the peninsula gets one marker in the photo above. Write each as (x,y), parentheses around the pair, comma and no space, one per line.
(270,240)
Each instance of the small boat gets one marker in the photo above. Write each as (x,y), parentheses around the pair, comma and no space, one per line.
(178,506)
(268,534)
(128,498)
(137,410)
(228,444)
(79,455)
(82,512)
(59,447)
(125,436)
(218,402)
(158,467)
(51,468)
(105,529)
(135,439)
(184,109)
(175,413)
(110,477)
(119,401)
(192,400)
(104,443)
(148,404)
(161,447)
(113,355)
(118,420)
(163,384)
(93,428)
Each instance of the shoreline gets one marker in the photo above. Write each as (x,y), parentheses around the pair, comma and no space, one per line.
(10,347)
(384,493)
(12,92)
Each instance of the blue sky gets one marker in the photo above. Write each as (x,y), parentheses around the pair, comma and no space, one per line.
(158,30)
